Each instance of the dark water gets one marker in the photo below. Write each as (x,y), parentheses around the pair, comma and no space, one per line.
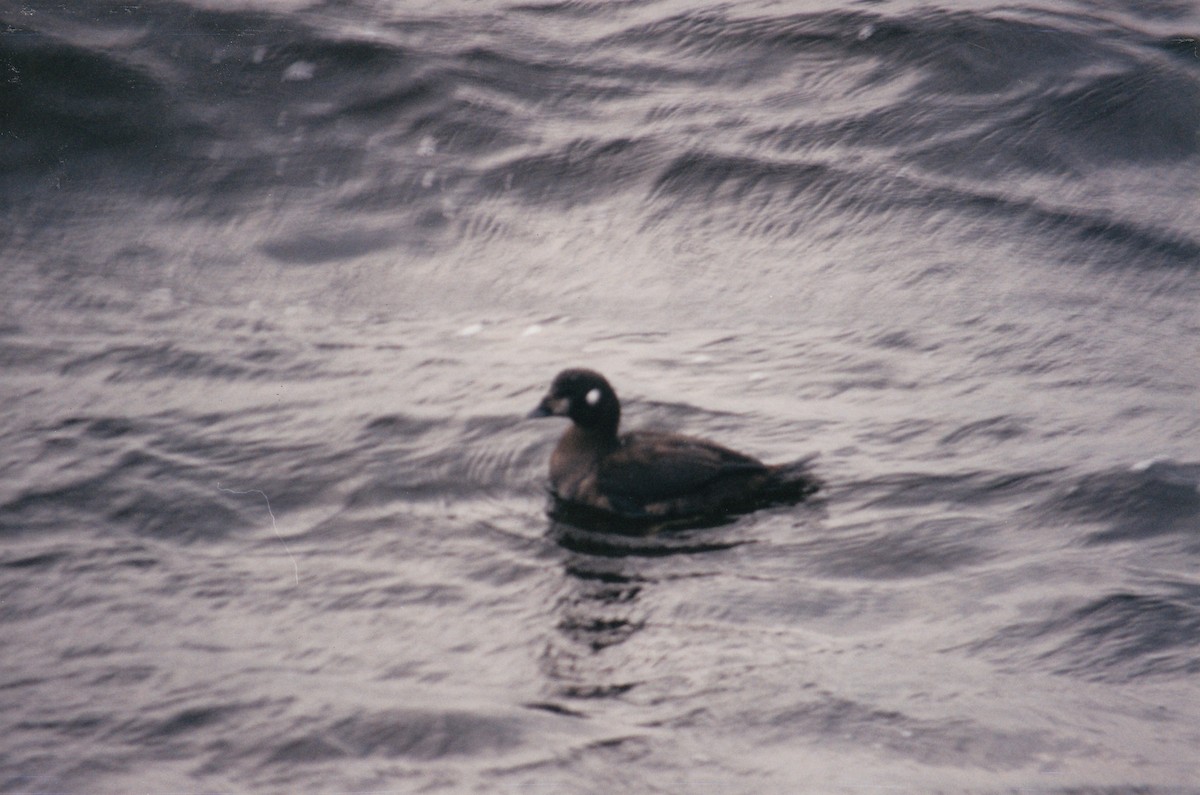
(280,281)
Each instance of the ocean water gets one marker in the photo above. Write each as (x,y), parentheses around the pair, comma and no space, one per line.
(282,279)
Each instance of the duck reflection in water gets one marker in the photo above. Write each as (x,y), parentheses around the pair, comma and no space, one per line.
(605,601)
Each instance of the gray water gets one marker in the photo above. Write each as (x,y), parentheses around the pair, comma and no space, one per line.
(280,282)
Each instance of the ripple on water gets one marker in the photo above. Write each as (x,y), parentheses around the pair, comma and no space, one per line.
(1119,636)
(1148,500)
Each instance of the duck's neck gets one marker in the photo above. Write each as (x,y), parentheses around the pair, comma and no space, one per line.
(579,445)
(594,442)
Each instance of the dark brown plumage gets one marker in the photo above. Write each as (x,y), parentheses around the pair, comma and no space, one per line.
(647,474)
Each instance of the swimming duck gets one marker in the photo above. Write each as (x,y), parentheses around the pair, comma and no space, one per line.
(648,474)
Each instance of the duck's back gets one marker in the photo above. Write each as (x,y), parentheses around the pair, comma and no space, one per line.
(668,474)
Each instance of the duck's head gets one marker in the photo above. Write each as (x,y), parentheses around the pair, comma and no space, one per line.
(584,396)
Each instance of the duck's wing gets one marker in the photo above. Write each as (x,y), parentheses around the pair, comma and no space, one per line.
(651,467)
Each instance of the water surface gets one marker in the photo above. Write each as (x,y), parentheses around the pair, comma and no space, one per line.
(282,280)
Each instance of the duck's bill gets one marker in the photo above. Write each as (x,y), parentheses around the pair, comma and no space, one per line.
(550,407)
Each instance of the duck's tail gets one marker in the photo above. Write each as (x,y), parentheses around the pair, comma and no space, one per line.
(795,479)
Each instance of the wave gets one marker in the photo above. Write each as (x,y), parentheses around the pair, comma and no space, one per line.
(1148,500)
(66,100)
(410,733)
(954,111)
(1118,636)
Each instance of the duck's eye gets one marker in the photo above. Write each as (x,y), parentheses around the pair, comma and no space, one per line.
(592,397)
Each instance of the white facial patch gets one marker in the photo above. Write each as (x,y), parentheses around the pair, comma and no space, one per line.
(592,397)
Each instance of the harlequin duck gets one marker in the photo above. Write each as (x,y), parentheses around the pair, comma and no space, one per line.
(647,474)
